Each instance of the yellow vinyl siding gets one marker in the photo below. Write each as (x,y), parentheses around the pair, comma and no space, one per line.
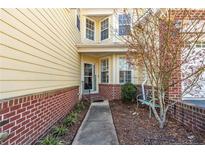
(37,51)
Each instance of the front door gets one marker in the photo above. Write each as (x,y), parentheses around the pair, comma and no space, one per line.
(88,77)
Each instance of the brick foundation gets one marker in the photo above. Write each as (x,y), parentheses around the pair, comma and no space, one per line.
(28,117)
(110,91)
(191,116)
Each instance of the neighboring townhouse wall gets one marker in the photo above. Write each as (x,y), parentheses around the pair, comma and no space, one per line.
(38,57)
(191,116)
(175,92)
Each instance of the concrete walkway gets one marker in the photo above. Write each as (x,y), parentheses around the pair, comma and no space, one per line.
(97,128)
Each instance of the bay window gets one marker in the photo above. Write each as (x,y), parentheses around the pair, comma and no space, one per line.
(124,24)
(200,44)
(125,72)
(78,22)
(90,28)
(104,71)
(104,29)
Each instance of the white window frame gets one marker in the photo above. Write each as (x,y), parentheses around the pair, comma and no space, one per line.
(90,29)
(122,24)
(200,44)
(107,18)
(78,17)
(101,70)
(130,69)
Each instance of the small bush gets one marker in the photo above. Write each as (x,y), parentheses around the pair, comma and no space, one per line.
(50,140)
(128,92)
(79,107)
(70,119)
(59,131)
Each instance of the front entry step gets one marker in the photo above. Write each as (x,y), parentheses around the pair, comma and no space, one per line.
(93,98)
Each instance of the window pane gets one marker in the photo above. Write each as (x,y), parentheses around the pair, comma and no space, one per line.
(78,22)
(89,29)
(88,70)
(104,29)
(89,34)
(203,44)
(125,73)
(128,76)
(104,34)
(104,71)
(198,44)
(124,24)
(125,76)
(104,77)
(87,83)
(124,29)
(121,76)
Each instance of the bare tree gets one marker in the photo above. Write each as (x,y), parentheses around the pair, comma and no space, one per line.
(164,41)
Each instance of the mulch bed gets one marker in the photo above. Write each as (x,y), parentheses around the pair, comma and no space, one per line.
(134,126)
(68,138)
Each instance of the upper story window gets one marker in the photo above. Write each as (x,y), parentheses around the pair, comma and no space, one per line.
(104,29)
(124,24)
(200,44)
(78,22)
(104,71)
(78,19)
(90,27)
(125,72)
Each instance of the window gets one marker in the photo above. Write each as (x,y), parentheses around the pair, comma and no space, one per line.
(125,72)
(78,19)
(90,26)
(104,29)
(78,22)
(124,24)
(200,44)
(104,71)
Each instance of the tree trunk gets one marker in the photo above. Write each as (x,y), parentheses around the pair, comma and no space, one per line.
(161,124)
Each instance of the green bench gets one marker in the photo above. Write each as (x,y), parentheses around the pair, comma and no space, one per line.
(148,103)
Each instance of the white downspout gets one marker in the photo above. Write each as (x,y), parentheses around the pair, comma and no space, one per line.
(143,91)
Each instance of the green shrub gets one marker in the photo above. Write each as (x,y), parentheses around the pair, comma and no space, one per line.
(79,107)
(128,92)
(50,140)
(70,119)
(59,131)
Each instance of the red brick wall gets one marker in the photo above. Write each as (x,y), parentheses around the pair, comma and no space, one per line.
(191,116)
(176,90)
(27,118)
(191,15)
(110,91)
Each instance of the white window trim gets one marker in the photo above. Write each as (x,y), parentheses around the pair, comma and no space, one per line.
(77,16)
(82,76)
(201,43)
(109,70)
(108,29)
(118,23)
(94,29)
(118,70)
